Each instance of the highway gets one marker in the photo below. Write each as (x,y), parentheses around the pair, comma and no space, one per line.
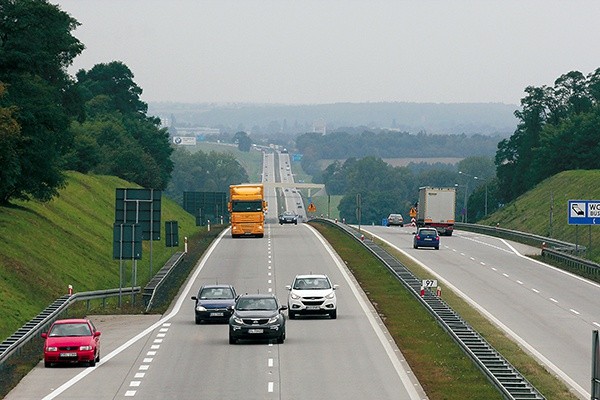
(159,357)
(549,312)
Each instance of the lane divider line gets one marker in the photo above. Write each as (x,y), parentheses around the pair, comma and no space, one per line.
(59,390)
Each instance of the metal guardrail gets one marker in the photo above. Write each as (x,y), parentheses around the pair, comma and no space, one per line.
(158,279)
(499,371)
(37,325)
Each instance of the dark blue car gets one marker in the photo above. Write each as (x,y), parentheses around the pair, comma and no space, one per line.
(214,303)
(426,237)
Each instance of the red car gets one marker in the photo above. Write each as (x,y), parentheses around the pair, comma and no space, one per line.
(71,341)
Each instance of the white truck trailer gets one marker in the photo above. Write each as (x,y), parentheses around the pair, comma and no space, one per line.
(436,209)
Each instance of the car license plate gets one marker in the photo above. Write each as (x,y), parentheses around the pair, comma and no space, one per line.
(428,239)
(255,331)
(312,307)
(68,355)
(216,314)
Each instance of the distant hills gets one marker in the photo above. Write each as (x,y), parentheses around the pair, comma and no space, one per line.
(494,119)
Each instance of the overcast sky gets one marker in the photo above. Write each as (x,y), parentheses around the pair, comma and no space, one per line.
(328,51)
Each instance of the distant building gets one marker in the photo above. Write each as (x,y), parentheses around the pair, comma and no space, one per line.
(320,126)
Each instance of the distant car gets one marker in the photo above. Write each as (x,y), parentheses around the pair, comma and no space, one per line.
(257,317)
(426,237)
(395,219)
(312,294)
(288,217)
(71,341)
(214,302)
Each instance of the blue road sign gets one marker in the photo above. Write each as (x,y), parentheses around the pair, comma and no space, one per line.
(584,212)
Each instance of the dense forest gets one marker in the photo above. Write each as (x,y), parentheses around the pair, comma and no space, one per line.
(51,122)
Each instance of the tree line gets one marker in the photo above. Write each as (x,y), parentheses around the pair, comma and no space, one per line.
(558,129)
(51,122)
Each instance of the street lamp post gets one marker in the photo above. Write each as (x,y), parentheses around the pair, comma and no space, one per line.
(486,190)
(466,186)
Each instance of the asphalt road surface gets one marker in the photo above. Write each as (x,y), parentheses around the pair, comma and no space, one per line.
(549,312)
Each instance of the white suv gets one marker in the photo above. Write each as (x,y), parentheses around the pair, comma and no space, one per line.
(312,294)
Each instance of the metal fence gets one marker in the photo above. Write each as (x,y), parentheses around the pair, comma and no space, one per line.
(32,329)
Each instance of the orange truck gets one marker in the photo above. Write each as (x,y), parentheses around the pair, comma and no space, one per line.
(247,207)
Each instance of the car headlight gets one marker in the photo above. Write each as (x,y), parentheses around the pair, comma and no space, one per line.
(273,320)
(238,320)
(294,296)
(51,348)
(85,348)
(200,308)
(330,296)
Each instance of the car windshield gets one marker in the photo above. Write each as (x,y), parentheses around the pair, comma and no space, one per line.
(311,283)
(216,293)
(428,232)
(246,206)
(257,304)
(77,329)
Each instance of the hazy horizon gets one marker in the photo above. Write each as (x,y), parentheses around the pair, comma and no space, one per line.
(327,52)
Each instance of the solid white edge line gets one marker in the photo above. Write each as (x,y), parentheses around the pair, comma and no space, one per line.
(496,321)
(145,332)
(408,384)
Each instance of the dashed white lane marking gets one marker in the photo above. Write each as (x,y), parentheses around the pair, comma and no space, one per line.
(535,290)
(519,282)
(553,300)
(148,360)
(506,275)
(130,393)
(270,387)
(134,383)
(597,324)
(270,362)
(574,311)
(144,367)
(139,375)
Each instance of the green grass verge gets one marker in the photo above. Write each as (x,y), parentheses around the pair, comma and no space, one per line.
(444,371)
(44,247)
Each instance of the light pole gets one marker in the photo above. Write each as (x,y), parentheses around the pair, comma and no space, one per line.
(466,186)
(486,190)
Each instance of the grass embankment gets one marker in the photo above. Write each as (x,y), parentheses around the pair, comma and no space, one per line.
(44,247)
(544,210)
(444,371)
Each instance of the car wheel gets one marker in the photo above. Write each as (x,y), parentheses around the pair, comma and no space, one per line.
(437,247)
(232,340)
(198,321)
(333,314)
(92,363)
(415,246)
(292,314)
(47,364)
(98,357)
(281,338)
(401,225)
(260,235)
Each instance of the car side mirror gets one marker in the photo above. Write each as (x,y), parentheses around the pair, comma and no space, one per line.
(335,287)
(194,298)
(288,287)
(414,233)
(281,308)
(44,335)
(97,333)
